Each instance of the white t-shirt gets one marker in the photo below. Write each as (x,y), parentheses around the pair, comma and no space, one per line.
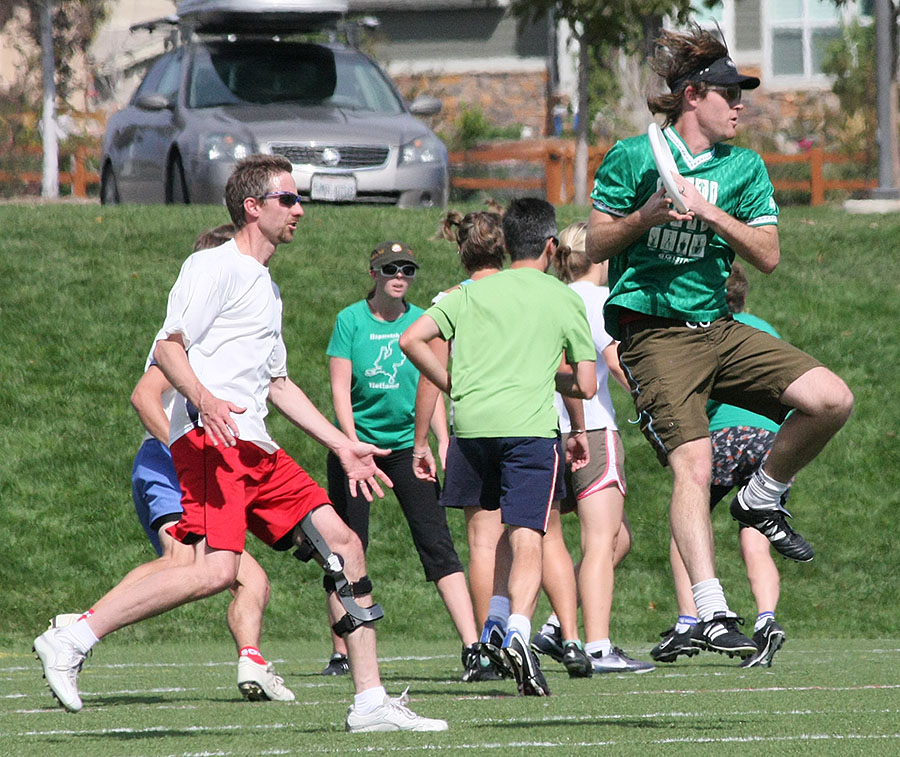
(228,311)
(598,411)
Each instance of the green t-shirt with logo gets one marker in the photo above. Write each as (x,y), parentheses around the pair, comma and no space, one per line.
(678,270)
(383,382)
(509,332)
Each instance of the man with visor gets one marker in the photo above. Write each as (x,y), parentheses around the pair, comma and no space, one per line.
(679,347)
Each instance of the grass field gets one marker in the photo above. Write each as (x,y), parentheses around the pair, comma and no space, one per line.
(826,697)
(83,290)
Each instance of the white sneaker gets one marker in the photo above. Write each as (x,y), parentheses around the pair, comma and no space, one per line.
(392,715)
(259,683)
(61,663)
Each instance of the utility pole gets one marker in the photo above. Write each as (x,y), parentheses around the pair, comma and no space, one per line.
(886,95)
(50,174)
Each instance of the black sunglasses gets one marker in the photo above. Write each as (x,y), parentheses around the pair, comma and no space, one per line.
(285,199)
(390,269)
(732,93)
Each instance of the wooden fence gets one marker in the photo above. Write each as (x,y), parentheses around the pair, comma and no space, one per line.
(554,159)
(78,178)
(557,159)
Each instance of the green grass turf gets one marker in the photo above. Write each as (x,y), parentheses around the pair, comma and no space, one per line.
(83,291)
(179,698)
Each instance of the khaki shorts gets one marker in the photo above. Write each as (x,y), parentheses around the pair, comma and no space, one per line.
(673,370)
(605,468)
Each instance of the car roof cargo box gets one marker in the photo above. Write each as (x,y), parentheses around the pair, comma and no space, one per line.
(259,16)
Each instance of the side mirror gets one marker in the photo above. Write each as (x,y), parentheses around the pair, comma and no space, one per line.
(153,102)
(425,105)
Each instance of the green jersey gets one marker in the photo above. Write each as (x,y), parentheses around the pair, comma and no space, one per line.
(509,332)
(383,383)
(678,270)
(728,416)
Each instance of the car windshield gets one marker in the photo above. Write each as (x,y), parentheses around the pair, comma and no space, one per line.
(261,74)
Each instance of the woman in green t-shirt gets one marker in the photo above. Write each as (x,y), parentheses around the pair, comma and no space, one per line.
(373,388)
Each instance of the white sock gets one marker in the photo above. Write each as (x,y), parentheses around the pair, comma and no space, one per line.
(685,623)
(521,624)
(498,609)
(709,598)
(369,699)
(599,648)
(551,626)
(761,619)
(81,636)
(762,492)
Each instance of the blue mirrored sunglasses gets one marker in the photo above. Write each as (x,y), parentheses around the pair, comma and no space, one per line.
(286,199)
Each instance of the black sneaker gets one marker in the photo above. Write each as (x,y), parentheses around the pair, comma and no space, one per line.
(550,644)
(768,640)
(675,644)
(525,666)
(720,634)
(477,667)
(576,660)
(338,665)
(774,526)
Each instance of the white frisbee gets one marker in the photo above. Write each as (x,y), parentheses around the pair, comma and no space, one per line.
(665,164)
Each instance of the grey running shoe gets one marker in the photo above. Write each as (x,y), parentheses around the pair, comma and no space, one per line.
(491,642)
(675,644)
(338,665)
(576,660)
(392,715)
(721,634)
(258,683)
(525,666)
(477,667)
(550,644)
(61,663)
(619,662)
(768,640)
(773,525)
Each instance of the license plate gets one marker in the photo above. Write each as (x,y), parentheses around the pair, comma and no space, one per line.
(330,188)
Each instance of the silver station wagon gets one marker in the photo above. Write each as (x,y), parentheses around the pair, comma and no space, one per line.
(328,108)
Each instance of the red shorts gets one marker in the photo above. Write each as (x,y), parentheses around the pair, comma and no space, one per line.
(226,491)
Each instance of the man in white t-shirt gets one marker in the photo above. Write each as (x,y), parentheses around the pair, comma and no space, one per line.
(221,347)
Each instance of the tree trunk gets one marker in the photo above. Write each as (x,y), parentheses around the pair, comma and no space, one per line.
(583,126)
(50,175)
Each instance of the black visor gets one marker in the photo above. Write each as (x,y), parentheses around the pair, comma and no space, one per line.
(721,71)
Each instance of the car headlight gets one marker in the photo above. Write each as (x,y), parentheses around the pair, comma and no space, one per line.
(226,147)
(425,149)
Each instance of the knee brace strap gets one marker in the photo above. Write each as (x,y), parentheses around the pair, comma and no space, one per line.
(357,589)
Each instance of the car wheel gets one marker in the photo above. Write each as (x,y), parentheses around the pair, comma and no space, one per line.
(109,189)
(176,187)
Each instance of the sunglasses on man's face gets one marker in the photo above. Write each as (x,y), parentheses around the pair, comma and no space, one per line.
(391,269)
(285,199)
(732,93)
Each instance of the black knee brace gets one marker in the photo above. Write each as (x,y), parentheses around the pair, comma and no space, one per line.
(313,546)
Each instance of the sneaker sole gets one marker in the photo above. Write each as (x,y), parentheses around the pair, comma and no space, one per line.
(764,658)
(252,691)
(69,708)
(495,655)
(742,652)
(528,685)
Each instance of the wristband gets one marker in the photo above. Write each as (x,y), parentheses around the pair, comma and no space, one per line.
(576,431)
(419,455)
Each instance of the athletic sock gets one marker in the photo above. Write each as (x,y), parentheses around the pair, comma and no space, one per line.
(81,635)
(709,598)
(498,609)
(599,648)
(253,653)
(762,618)
(551,626)
(521,624)
(762,492)
(685,623)
(368,700)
